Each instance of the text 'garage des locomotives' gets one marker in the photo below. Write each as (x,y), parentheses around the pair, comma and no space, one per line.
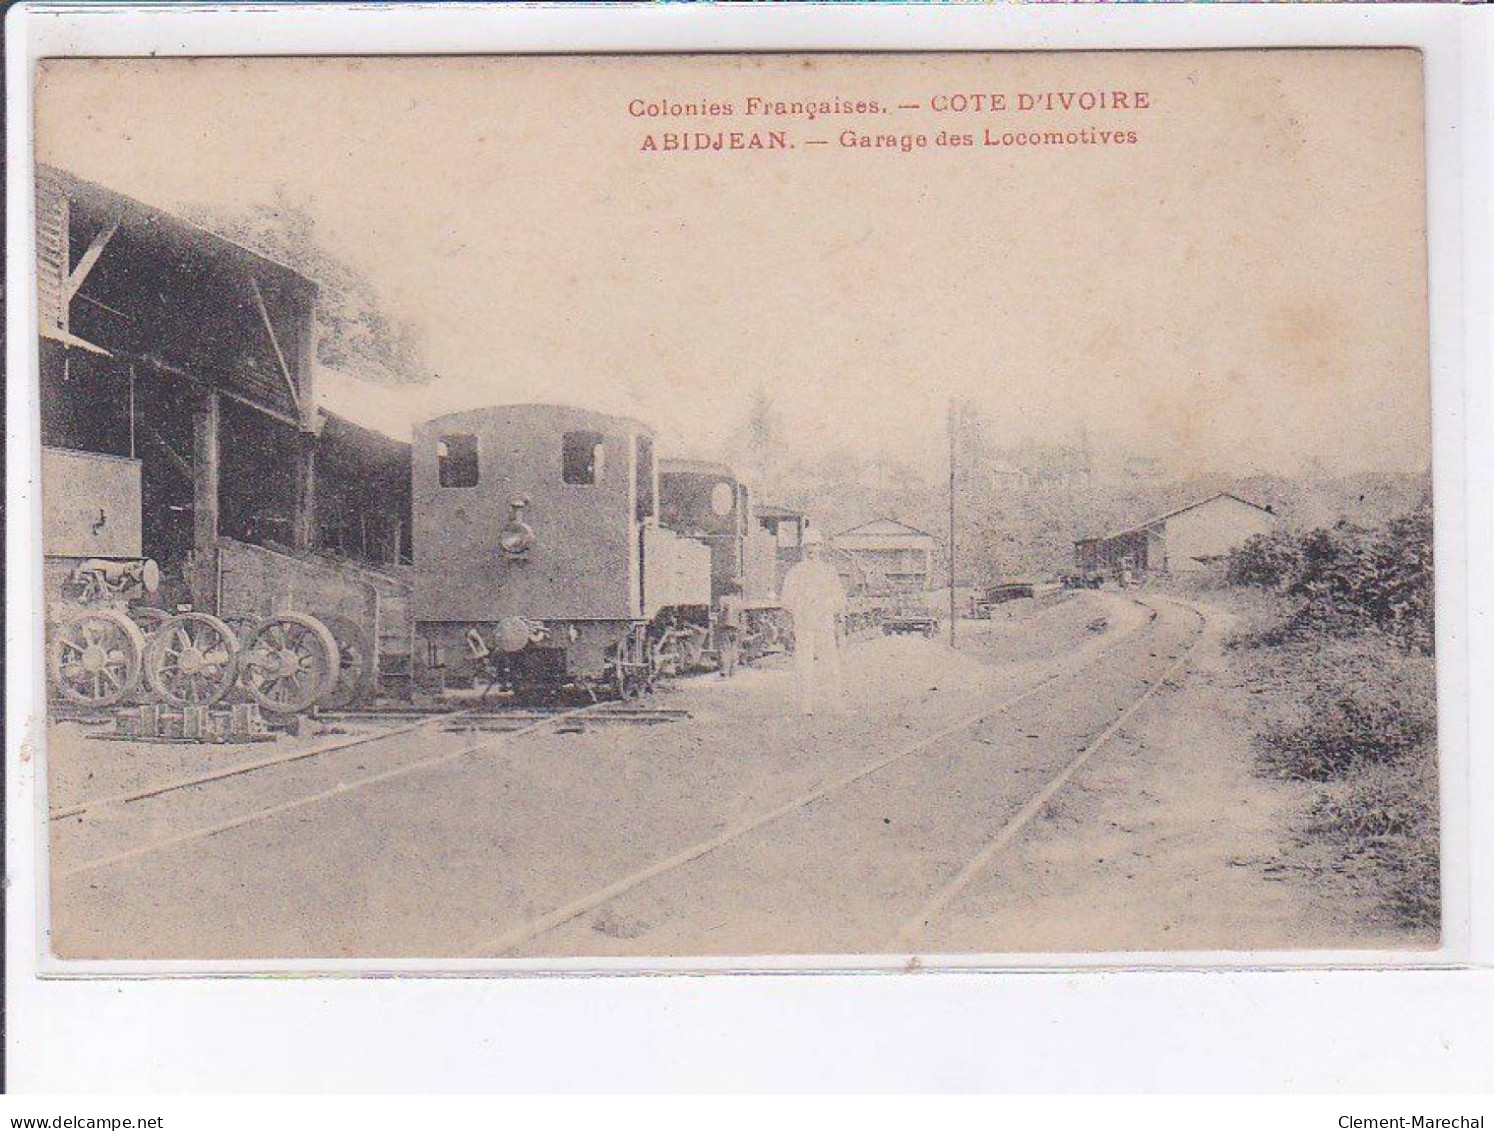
(814,110)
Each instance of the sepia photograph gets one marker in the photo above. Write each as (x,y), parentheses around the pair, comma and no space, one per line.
(736,506)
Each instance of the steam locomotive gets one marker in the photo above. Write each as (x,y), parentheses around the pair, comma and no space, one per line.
(552,548)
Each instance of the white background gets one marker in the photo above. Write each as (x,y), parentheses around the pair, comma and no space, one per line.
(1345,1029)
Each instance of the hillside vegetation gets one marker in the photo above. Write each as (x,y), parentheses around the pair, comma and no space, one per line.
(1020,509)
(1342,654)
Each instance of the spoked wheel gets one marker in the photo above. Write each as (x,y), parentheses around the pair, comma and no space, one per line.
(192,660)
(692,649)
(96,658)
(243,624)
(657,666)
(289,663)
(355,664)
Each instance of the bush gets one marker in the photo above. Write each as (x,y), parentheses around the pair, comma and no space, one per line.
(1339,630)
(1363,725)
(1346,580)
(1266,561)
(1363,706)
(1383,824)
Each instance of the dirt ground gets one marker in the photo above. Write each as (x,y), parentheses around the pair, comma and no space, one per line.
(1164,841)
(1167,841)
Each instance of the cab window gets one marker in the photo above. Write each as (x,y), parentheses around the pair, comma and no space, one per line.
(456,460)
(581,458)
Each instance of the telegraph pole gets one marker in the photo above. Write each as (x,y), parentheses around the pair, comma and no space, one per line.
(951,522)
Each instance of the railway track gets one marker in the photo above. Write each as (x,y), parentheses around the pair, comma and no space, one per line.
(513,728)
(85,808)
(912,929)
(407,722)
(511,940)
(508,725)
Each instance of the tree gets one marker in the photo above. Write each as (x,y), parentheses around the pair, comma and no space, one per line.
(354,333)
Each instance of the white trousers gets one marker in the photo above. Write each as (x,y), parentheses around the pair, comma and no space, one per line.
(817,664)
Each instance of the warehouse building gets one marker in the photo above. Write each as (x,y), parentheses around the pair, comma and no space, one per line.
(1188,539)
(899,557)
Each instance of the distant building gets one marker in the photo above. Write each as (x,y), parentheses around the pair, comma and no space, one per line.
(888,552)
(1187,539)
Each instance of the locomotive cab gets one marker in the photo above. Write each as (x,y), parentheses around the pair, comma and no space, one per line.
(709,502)
(706,501)
(539,557)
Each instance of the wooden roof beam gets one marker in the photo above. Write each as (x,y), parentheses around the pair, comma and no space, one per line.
(264,314)
(79,274)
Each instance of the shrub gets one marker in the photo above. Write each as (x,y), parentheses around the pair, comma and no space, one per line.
(1345,580)
(1362,705)
(1265,561)
(1383,823)
(1339,631)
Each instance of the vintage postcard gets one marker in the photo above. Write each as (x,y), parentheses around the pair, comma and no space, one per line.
(737,506)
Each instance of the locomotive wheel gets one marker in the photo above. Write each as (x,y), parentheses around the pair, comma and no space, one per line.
(96,658)
(192,660)
(653,667)
(290,662)
(632,674)
(667,658)
(355,664)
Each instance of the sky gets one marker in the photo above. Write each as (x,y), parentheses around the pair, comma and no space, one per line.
(1241,290)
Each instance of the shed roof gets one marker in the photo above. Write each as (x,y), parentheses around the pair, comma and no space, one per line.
(883,527)
(155,288)
(1161,518)
(141,214)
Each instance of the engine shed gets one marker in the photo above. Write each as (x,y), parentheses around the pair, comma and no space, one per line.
(180,423)
(169,350)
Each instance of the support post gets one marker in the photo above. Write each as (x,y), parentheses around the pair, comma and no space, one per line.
(303,515)
(202,575)
(205,474)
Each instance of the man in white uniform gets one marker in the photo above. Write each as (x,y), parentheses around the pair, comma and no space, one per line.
(814,597)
